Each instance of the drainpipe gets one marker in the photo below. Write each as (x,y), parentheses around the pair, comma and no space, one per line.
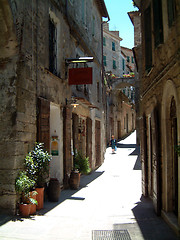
(105,108)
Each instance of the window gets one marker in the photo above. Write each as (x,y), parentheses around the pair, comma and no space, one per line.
(114,64)
(128,59)
(113,46)
(52,47)
(171,11)
(158,27)
(104,60)
(123,64)
(148,38)
(104,41)
(98,94)
(132,59)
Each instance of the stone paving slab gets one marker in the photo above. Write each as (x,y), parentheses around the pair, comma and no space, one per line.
(109,199)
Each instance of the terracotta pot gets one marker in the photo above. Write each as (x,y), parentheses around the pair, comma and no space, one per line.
(40,198)
(33,206)
(24,209)
(74,180)
(54,190)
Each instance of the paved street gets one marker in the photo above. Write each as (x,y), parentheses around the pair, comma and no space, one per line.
(109,200)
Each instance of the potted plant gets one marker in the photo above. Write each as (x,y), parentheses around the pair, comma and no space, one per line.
(23,185)
(37,167)
(81,166)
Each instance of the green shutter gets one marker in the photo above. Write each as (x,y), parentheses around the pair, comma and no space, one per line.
(104,41)
(123,64)
(114,64)
(104,60)
(113,46)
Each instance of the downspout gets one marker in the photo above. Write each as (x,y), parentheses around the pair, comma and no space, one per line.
(103,91)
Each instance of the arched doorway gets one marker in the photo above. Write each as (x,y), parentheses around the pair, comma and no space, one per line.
(169,141)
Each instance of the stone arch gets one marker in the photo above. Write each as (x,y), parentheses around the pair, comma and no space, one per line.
(169,97)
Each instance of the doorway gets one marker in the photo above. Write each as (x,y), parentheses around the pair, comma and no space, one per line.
(174,142)
(56,146)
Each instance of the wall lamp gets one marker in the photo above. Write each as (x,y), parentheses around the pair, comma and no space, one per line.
(79,60)
(72,102)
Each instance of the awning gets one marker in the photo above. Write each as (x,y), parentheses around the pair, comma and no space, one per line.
(85,102)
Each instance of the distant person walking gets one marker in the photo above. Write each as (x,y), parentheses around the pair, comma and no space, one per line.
(113,144)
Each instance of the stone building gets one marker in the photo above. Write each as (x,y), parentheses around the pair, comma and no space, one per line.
(127,60)
(159,106)
(39,40)
(120,111)
(111,50)
(135,17)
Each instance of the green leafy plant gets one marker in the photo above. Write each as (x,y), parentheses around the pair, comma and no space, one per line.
(23,186)
(177,149)
(81,163)
(37,164)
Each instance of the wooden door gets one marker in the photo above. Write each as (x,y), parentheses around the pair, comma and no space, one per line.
(43,123)
(98,142)
(89,140)
(156,162)
(144,159)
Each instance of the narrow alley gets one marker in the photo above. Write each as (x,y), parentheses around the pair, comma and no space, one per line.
(108,205)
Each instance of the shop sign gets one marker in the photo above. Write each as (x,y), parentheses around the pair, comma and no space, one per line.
(78,76)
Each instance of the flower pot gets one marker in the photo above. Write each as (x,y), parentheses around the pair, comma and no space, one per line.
(74,180)
(40,198)
(54,190)
(24,209)
(33,206)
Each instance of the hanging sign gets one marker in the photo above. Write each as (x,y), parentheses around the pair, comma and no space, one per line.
(78,76)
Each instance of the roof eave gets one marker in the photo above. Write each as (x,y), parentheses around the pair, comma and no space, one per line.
(102,8)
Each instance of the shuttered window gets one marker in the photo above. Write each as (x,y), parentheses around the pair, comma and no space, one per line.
(104,41)
(104,60)
(52,47)
(123,64)
(158,26)
(171,11)
(114,64)
(148,38)
(113,46)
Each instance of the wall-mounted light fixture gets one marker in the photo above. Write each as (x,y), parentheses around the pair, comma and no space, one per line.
(73,102)
(79,60)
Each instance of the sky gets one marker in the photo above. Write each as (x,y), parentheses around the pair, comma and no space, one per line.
(120,21)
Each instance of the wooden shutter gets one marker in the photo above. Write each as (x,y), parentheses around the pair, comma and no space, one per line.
(43,123)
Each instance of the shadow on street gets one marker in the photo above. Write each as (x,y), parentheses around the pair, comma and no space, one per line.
(151,226)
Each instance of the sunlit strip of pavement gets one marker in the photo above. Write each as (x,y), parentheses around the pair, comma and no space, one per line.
(110,198)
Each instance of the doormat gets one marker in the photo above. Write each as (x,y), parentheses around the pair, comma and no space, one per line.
(110,235)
